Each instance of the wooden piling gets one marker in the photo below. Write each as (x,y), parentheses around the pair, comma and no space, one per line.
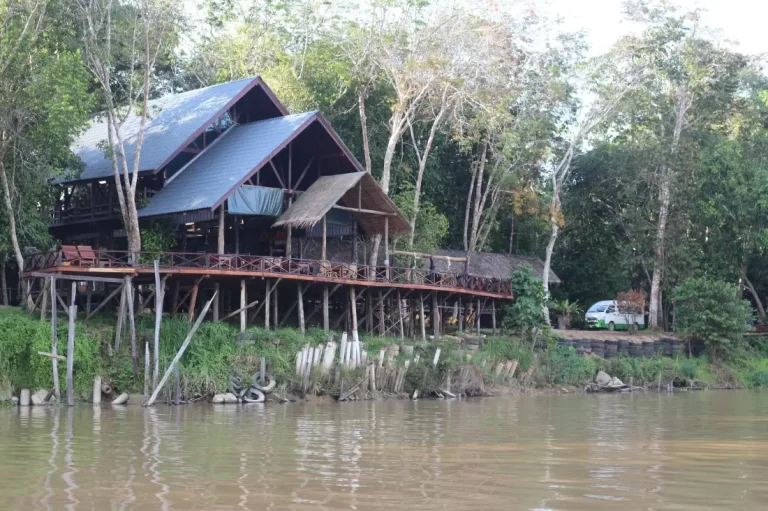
(71,347)
(267,298)
(326,317)
(300,302)
(243,303)
(54,341)
(435,315)
(159,299)
(132,325)
(493,316)
(422,319)
(275,310)
(193,300)
(477,316)
(120,318)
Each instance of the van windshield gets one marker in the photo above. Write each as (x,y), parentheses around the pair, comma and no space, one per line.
(597,308)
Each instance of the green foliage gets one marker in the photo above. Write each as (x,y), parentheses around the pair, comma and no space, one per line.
(158,237)
(712,311)
(526,313)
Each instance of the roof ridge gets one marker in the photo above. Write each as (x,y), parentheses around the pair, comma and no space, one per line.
(198,155)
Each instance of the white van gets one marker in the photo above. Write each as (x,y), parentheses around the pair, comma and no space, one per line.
(606,314)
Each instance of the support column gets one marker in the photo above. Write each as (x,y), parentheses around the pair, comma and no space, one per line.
(422,319)
(193,301)
(477,316)
(400,315)
(323,247)
(219,250)
(353,310)
(493,316)
(275,319)
(386,247)
(54,341)
(243,303)
(131,324)
(459,316)
(300,303)
(71,348)
(380,308)
(326,317)
(267,298)
(435,315)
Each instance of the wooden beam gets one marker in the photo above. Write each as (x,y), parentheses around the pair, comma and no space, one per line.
(159,299)
(193,301)
(81,278)
(303,173)
(300,300)
(400,314)
(422,319)
(435,316)
(277,174)
(323,247)
(105,301)
(363,211)
(241,309)
(243,317)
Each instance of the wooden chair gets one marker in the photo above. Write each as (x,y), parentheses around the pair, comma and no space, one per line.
(87,255)
(69,255)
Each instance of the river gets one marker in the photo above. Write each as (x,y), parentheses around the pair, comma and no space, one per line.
(703,450)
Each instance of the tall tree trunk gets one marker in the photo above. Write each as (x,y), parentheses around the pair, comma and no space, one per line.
(665,192)
(555,228)
(511,233)
(361,95)
(477,208)
(12,228)
(3,279)
(468,208)
(756,297)
(396,131)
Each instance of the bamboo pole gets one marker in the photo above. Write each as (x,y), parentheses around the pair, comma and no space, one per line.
(55,341)
(423,320)
(180,353)
(300,298)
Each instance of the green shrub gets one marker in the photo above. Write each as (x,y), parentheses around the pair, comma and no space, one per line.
(712,311)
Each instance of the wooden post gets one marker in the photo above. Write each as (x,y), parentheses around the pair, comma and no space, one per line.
(435,315)
(300,298)
(120,316)
(176,386)
(323,253)
(353,309)
(181,351)
(289,234)
(159,299)
(326,318)
(220,239)
(193,301)
(477,316)
(54,341)
(147,372)
(243,302)
(71,346)
(459,315)
(88,295)
(422,319)
(380,307)
(132,324)
(237,233)
(400,315)
(275,318)
(386,247)
(493,316)
(354,241)
(44,301)
(267,297)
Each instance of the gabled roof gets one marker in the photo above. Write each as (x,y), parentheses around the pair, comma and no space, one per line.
(327,191)
(492,264)
(174,122)
(228,162)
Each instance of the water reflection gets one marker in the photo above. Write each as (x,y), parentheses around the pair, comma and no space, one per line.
(697,451)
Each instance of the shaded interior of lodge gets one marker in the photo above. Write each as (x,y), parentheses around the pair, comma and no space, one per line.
(268,208)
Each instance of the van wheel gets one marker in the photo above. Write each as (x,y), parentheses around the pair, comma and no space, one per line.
(611,326)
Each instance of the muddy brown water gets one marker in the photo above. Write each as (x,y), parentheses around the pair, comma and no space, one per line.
(706,450)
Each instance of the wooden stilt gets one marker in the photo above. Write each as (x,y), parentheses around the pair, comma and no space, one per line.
(300,298)
(44,302)
(132,325)
(460,316)
(104,302)
(323,246)
(193,301)
(326,317)
(243,300)
(89,287)
(477,316)
(159,299)
(237,234)
(353,309)
(120,317)
(387,264)
(71,347)
(275,319)
(400,315)
(54,341)
(267,298)
(215,308)
(368,312)
(493,316)
(435,315)
(381,314)
(422,318)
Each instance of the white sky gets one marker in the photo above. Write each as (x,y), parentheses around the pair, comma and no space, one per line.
(741,21)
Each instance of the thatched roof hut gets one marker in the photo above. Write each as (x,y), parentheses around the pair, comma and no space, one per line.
(357,192)
(492,265)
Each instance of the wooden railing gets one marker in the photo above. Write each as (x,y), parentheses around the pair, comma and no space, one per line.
(342,272)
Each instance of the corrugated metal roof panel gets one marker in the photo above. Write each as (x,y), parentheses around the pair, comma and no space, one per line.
(224,164)
(173,120)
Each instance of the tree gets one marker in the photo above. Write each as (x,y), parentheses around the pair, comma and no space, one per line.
(150,27)
(526,314)
(43,103)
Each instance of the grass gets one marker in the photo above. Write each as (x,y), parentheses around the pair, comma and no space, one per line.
(218,349)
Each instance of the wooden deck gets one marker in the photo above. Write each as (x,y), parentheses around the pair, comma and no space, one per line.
(223,266)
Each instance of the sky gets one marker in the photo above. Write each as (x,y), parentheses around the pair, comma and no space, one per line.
(738,21)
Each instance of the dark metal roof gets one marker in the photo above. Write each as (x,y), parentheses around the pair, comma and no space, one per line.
(492,264)
(173,121)
(225,164)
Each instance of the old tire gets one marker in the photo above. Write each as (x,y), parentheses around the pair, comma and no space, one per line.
(266,388)
(253,395)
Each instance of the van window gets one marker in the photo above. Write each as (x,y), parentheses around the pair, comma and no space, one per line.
(610,310)
(597,308)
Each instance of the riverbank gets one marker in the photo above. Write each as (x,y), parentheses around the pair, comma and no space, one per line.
(497,365)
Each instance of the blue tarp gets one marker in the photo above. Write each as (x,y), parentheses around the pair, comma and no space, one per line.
(256,200)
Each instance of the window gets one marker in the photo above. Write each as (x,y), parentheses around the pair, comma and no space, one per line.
(610,310)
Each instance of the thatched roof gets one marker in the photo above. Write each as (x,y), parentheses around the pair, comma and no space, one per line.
(492,265)
(341,189)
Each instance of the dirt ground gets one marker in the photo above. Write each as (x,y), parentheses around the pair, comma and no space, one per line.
(604,335)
